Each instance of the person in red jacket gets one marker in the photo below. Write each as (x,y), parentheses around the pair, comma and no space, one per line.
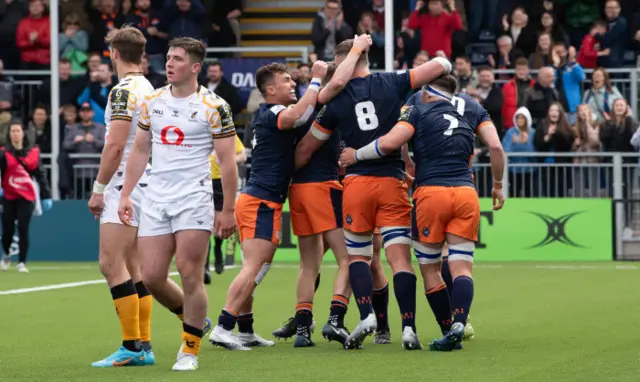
(513,91)
(589,52)
(20,167)
(437,26)
(33,38)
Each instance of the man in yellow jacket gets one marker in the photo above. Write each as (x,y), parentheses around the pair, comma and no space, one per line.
(218,200)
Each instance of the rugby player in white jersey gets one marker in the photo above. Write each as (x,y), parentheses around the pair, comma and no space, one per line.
(118,258)
(183,122)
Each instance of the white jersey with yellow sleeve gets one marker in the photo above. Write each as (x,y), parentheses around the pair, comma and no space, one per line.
(123,104)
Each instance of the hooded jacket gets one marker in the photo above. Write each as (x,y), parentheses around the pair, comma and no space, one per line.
(519,147)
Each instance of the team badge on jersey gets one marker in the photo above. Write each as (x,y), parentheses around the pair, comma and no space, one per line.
(426,232)
(405,113)
(193,115)
(119,101)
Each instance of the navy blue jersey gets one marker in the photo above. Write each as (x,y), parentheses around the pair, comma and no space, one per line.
(272,156)
(323,165)
(474,113)
(442,144)
(367,109)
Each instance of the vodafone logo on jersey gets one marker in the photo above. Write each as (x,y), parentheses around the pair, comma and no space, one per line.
(173,135)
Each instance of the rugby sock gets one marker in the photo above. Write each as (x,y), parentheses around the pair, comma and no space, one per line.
(362,285)
(462,298)
(440,303)
(404,286)
(217,250)
(339,306)
(125,298)
(381,305)
(145,303)
(191,339)
(245,323)
(303,318)
(227,320)
(317,283)
(446,276)
(178,312)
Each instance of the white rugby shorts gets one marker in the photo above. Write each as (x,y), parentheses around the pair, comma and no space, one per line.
(112,201)
(195,212)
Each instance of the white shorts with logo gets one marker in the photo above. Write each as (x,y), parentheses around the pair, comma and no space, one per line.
(194,212)
(112,201)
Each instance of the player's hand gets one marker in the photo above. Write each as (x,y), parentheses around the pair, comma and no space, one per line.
(363,42)
(319,69)
(408,179)
(498,198)
(125,211)
(225,225)
(347,157)
(96,205)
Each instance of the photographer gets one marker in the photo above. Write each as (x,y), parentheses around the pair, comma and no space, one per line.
(20,167)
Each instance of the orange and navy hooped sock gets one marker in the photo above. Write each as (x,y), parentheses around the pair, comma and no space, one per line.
(178,312)
(462,298)
(381,305)
(191,339)
(145,303)
(339,306)
(404,287)
(245,323)
(125,299)
(440,304)
(303,318)
(227,320)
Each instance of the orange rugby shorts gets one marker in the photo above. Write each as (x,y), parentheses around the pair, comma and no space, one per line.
(315,207)
(369,202)
(439,210)
(258,219)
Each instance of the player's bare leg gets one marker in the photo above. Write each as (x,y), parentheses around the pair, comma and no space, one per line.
(404,286)
(256,253)
(117,242)
(334,329)
(460,263)
(380,298)
(246,335)
(311,252)
(360,249)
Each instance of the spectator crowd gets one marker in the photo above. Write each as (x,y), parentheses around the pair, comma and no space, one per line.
(558,92)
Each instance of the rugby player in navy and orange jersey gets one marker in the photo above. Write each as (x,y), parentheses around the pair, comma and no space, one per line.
(477,116)
(375,194)
(446,205)
(259,206)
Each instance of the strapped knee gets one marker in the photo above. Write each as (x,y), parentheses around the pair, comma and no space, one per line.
(462,251)
(395,235)
(427,255)
(359,244)
(263,272)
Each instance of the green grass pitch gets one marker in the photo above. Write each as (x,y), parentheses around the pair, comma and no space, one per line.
(533,322)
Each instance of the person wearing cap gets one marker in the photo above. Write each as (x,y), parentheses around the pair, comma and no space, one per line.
(86,137)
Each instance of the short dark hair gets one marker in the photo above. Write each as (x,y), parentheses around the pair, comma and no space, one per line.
(466,58)
(331,70)
(522,62)
(129,42)
(345,47)
(334,1)
(41,106)
(64,60)
(265,74)
(446,82)
(215,63)
(194,48)
(300,65)
(485,69)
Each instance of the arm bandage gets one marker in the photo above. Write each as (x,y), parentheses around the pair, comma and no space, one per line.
(369,152)
(315,84)
(445,64)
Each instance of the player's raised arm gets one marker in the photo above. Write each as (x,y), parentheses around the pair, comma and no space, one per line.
(429,71)
(344,71)
(299,113)
(489,135)
(223,132)
(320,131)
(391,142)
(122,105)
